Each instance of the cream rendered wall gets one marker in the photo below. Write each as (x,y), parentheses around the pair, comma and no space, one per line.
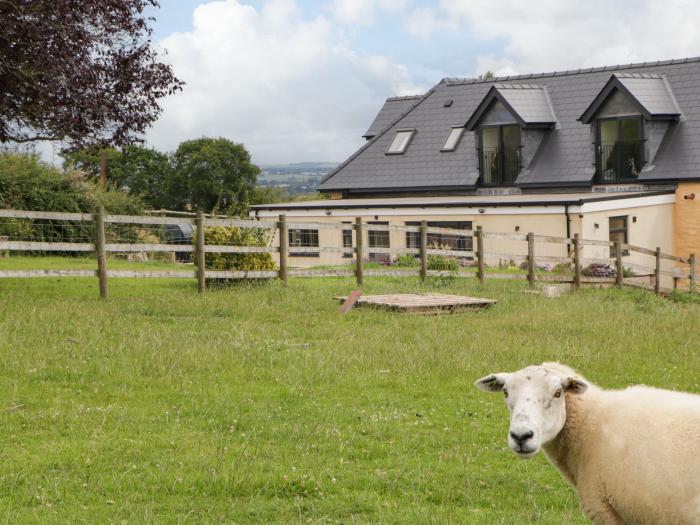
(553,224)
(653,227)
(647,226)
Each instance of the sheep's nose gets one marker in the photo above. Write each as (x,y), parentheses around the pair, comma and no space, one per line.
(522,438)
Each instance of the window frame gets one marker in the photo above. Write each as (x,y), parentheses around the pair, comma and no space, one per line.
(500,149)
(453,129)
(348,249)
(305,244)
(401,151)
(625,230)
(378,256)
(413,238)
(618,139)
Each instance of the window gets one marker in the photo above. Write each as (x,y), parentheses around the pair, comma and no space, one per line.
(617,227)
(401,140)
(499,155)
(347,241)
(303,239)
(619,149)
(379,239)
(444,241)
(453,139)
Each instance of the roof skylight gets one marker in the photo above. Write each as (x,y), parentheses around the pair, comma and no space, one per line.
(453,139)
(401,141)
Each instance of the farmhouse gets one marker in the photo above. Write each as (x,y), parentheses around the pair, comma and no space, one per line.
(610,153)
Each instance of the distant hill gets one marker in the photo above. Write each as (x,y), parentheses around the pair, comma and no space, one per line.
(295,178)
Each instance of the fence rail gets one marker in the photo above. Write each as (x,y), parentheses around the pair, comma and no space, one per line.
(684,271)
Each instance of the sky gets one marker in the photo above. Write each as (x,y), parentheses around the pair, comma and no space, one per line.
(301,80)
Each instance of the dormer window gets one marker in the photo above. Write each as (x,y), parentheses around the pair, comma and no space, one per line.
(401,141)
(505,112)
(499,155)
(619,148)
(618,115)
(453,138)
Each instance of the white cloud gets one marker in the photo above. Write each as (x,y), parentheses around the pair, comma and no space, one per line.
(362,12)
(567,34)
(421,22)
(288,88)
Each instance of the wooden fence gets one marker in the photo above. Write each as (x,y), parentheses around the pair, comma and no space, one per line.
(685,269)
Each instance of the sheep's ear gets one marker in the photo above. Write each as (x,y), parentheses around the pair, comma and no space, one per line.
(574,385)
(492,383)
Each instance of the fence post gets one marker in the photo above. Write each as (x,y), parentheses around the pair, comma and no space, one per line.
(657,272)
(423,251)
(480,254)
(284,247)
(101,251)
(691,261)
(4,253)
(201,259)
(619,270)
(577,262)
(359,251)
(531,258)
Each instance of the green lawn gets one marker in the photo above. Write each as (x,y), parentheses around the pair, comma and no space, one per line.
(261,404)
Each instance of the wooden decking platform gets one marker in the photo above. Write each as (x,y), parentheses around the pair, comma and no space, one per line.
(425,304)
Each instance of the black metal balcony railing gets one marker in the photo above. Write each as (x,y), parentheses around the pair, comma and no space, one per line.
(619,162)
(499,166)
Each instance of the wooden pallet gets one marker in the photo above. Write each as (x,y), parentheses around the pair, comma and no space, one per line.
(424,304)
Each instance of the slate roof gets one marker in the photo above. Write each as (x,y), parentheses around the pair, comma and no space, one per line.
(565,157)
(393,108)
(651,93)
(529,104)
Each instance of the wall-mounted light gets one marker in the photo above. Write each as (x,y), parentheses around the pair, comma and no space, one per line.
(634,219)
(481,210)
(328,212)
(376,217)
(517,228)
(596,225)
(689,196)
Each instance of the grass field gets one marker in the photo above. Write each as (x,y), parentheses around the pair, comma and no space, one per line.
(260,404)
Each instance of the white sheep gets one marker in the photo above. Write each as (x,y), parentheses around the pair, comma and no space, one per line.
(632,455)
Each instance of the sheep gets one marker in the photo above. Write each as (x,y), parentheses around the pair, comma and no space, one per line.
(632,455)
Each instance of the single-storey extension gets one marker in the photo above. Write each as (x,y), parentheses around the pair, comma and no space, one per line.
(609,153)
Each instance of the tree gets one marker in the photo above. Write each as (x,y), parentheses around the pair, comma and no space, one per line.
(211,174)
(135,169)
(27,183)
(82,72)
(489,75)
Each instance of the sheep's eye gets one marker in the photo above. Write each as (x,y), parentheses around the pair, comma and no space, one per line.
(505,392)
(557,393)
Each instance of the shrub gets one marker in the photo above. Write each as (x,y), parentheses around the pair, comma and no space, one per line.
(563,268)
(233,236)
(27,183)
(599,270)
(441,262)
(406,260)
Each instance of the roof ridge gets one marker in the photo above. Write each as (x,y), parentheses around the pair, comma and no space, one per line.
(404,97)
(456,81)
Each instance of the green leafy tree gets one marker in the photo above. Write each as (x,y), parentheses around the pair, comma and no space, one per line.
(137,170)
(27,183)
(211,174)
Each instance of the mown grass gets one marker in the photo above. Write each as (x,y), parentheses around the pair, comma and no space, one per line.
(261,404)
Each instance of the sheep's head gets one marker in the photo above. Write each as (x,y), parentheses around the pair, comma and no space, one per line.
(536,400)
